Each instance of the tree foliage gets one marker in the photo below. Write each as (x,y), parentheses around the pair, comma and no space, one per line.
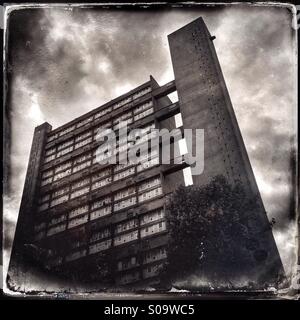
(208,230)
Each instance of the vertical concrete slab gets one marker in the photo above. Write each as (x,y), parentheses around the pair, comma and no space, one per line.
(205,104)
(24,229)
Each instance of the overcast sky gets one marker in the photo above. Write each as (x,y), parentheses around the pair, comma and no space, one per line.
(64,63)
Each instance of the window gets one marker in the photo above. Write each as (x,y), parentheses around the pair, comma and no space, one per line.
(57,220)
(49,158)
(57,229)
(81,166)
(143,107)
(100,235)
(122,103)
(47,174)
(128,278)
(104,152)
(151,183)
(141,92)
(65,144)
(150,194)
(100,203)
(124,193)
(178,120)
(80,183)
(101,183)
(126,118)
(83,136)
(77,244)
(147,164)
(46,181)
(127,237)
(62,174)
(158,227)
(188,177)
(103,112)
(50,151)
(100,212)
(59,200)
(84,121)
(119,167)
(78,211)
(83,142)
(100,246)
(151,271)
(101,130)
(67,130)
(152,216)
(60,192)
(64,151)
(155,255)
(78,221)
(80,192)
(63,166)
(101,174)
(124,174)
(124,204)
(124,226)
(82,158)
(52,137)
(127,263)
(143,114)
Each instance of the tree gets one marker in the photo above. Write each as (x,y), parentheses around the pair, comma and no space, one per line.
(209,234)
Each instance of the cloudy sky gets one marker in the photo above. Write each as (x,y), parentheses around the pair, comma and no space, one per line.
(63,63)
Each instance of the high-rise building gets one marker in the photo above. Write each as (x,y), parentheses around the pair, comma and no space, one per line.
(86,218)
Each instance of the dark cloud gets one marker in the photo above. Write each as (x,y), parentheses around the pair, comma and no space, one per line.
(75,60)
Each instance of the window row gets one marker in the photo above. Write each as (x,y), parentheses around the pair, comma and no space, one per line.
(122,103)
(142,92)
(148,257)
(58,153)
(128,278)
(155,228)
(152,271)
(144,136)
(80,216)
(99,114)
(85,161)
(155,255)
(127,263)
(66,169)
(83,187)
